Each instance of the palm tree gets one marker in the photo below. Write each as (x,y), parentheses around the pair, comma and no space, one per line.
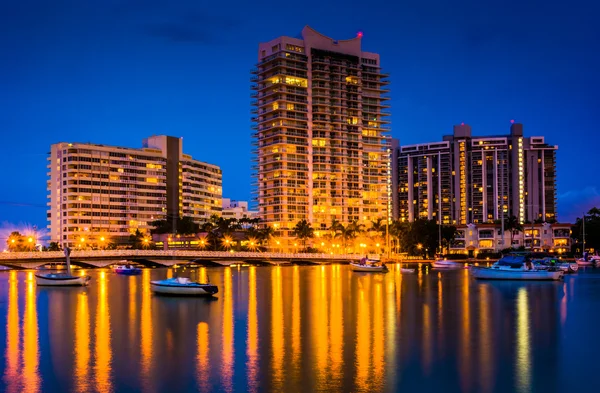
(513,225)
(303,230)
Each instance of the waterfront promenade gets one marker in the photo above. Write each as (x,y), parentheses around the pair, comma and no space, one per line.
(102,258)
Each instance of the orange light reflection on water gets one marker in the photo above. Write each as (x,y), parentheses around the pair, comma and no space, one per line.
(103,352)
(227,333)
(363,342)
(336,330)
(146,330)
(296,349)
(252,339)
(486,360)
(31,355)
(11,372)
(465,335)
(202,359)
(277,328)
(82,343)
(378,338)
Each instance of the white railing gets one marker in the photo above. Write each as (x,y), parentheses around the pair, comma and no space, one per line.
(171,253)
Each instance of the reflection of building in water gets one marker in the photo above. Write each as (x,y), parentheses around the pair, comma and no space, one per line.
(227,333)
(12,355)
(103,349)
(31,354)
(81,330)
(252,332)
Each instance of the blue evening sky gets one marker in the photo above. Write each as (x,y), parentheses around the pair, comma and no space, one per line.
(114,72)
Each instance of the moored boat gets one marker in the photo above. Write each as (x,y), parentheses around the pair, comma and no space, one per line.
(369,267)
(127,269)
(445,264)
(405,270)
(182,286)
(62,279)
(515,267)
(583,262)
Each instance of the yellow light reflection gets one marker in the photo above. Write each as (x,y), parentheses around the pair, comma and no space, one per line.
(391,320)
(277,328)
(11,372)
(320,327)
(203,363)
(103,360)
(31,377)
(363,342)
(485,341)
(563,306)
(146,329)
(336,331)
(296,350)
(82,344)
(227,333)
(426,339)
(465,335)
(133,307)
(378,338)
(252,339)
(202,276)
(523,360)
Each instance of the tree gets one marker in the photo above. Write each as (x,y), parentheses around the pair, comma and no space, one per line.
(53,246)
(592,230)
(303,230)
(136,240)
(448,235)
(513,225)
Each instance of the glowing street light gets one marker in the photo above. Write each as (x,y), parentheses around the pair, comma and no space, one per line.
(30,239)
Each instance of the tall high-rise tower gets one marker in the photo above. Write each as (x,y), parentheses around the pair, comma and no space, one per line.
(322,149)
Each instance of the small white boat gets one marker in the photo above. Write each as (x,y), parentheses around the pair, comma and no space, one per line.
(380,268)
(515,267)
(445,264)
(405,270)
(61,280)
(182,286)
(568,267)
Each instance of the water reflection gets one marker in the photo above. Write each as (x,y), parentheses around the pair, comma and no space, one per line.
(12,336)
(103,349)
(295,328)
(202,360)
(146,331)
(227,333)
(82,343)
(523,359)
(252,339)
(31,354)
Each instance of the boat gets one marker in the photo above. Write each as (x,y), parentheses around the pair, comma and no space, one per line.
(62,279)
(568,267)
(126,269)
(552,262)
(405,270)
(182,286)
(515,267)
(445,264)
(369,267)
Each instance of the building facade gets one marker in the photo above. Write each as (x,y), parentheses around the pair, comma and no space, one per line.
(475,238)
(321,143)
(101,194)
(237,209)
(473,180)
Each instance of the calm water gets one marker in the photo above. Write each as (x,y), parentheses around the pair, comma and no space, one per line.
(301,329)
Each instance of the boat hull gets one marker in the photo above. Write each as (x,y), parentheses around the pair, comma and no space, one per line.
(404,270)
(61,280)
(172,289)
(128,272)
(485,273)
(447,265)
(370,269)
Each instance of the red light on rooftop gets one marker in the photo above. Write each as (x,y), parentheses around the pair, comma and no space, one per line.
(512,122)
(462,124)
(359,34)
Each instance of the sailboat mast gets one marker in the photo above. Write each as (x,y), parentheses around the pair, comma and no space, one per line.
(583,223)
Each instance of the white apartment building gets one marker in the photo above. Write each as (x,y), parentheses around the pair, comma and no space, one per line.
(101,194)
